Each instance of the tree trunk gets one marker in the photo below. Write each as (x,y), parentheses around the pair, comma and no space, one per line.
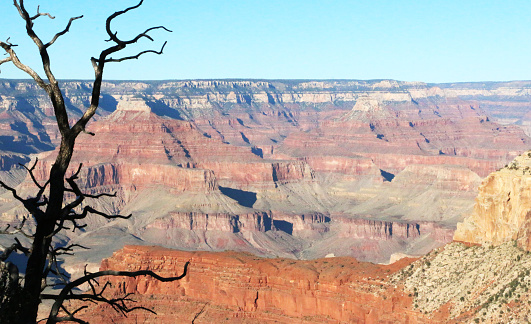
(43,235)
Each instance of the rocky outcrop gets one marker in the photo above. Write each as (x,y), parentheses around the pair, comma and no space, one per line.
(440,176)
(344,165)
(257,175)
(242,286)
(262,113)
(454,284)
(258,222)
(502,211)
(134,148)
(398,162)
(301,224)
(374,240)
(377,230)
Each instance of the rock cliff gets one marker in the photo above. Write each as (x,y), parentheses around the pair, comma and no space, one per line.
(502,211)
(235,288)
(455,284)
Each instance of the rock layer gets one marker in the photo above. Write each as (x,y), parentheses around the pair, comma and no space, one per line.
(455,284)
(243,286)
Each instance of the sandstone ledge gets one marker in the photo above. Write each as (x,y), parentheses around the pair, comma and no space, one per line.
(238,288)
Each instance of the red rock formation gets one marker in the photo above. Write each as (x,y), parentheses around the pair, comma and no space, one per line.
(397,162)
(256,175)
(327,142)
(396,134)
(136,176)
(300,223)
(135,148)
(341,164)
(235,287)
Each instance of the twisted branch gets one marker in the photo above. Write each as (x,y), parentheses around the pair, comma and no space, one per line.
(17,246)
(31,204)
(119,304)
(41,14)
(99,63)
(59,34)
(110,59)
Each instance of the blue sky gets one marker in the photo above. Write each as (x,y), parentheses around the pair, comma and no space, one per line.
(431,41)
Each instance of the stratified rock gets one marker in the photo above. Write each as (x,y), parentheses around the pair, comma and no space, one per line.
(235,287)
(396,133)
(322,159)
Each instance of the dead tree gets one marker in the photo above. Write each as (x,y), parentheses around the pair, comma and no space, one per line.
(48,208)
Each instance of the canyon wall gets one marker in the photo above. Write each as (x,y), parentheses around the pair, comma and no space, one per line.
(260,113)
(457,283)
(502,211)
(241,286)
(452,284)
(297,169)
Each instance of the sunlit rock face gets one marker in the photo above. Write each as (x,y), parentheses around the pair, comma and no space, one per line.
(502,211)
(240,288)
(452,284)
(427,131)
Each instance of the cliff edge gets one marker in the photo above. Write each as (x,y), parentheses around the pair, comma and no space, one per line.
(502,211)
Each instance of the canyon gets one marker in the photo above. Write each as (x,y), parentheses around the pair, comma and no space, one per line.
(294,169)
(483,276)
(295,201)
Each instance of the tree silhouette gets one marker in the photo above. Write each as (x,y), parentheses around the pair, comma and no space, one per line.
(49,208)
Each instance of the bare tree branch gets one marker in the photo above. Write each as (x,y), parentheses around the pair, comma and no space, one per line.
(16,230)
(71,316)
(30,204)
(103,194)
(66,293)
(52,88)
(114,15)
(99,63)
(30,171)
(17,246)
(7,59)
(68,213)
(62,32)
(41,14)
(14,58)
(135,56)
(68,249)
(89,209)
(201,311)
(139,36)
(13,191)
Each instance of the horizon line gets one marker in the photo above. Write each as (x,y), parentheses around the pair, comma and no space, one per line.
(266,79)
